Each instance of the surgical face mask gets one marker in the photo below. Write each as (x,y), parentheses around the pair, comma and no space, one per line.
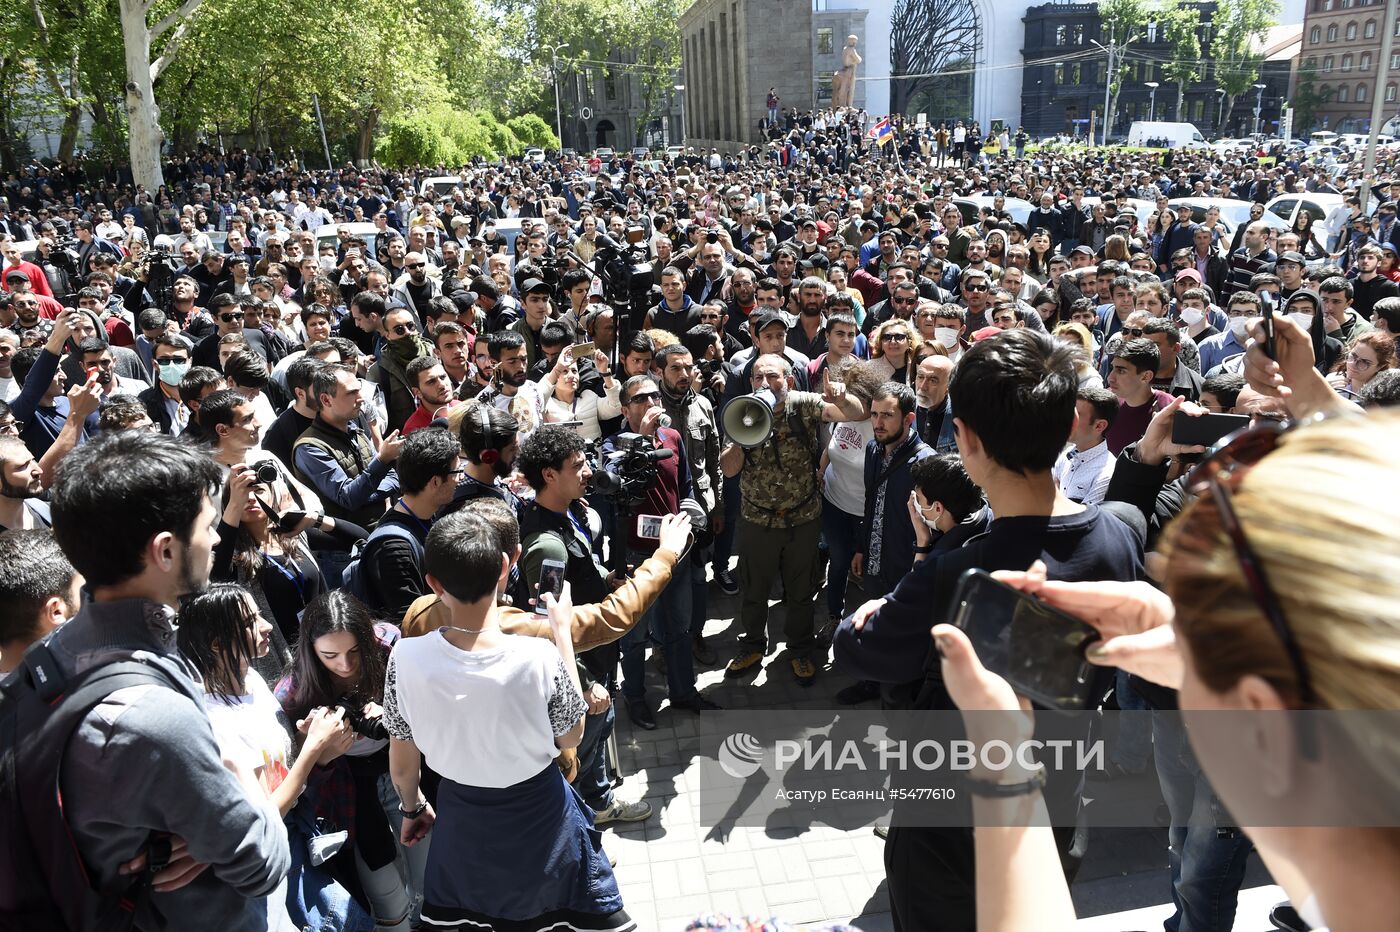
(172,373)
(1302,319)
(1239,327)
(948,336)
(1191,316)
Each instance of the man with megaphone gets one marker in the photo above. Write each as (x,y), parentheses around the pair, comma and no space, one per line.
(774,448)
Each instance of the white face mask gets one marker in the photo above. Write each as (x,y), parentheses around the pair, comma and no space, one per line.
(1303,320)
(1239,327)
(1191,316)
(948,336)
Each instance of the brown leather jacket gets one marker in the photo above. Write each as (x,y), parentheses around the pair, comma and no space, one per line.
(595,624)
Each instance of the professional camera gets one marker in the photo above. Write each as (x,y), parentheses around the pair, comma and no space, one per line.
(626,270)
(266,473)
(629,470)
(353,707)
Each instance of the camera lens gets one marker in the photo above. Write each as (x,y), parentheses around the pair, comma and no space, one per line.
(712,237)
(266,473)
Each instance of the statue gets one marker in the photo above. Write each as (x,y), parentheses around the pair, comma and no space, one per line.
(843,82)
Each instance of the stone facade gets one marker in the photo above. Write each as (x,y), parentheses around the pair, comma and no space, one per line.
(733,51)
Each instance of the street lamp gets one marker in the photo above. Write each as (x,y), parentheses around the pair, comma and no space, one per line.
(680,89)
(1107,87)
(1259,109)
(554,69)
(1152,101)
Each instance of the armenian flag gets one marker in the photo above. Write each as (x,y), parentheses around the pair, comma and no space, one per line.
(882,132)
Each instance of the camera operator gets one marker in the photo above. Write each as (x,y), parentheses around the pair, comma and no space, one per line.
(780,512)
(638,455)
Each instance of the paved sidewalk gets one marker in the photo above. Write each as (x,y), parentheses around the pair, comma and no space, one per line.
(672,870)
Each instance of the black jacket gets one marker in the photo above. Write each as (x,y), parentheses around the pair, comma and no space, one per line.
(393,567)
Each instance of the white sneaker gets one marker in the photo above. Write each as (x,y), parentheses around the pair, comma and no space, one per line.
(623,812)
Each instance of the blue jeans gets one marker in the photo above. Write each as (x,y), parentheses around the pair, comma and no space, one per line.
(592,782)
(668,622)
(699,591)
(1134,731)
(1207,855)
(840,528)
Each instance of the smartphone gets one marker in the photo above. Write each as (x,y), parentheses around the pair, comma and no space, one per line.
(649,527)
(1207,429)
(583,351)
(551,580)
(1038,649)
(1266,305)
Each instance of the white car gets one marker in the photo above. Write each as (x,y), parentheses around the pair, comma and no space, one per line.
(673,153)
(439,185)
(1019,209)
(1329,212)
(1233,212)
(604,154)
(364,232)
(534,155)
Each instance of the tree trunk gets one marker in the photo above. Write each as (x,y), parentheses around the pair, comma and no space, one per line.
(68,139)
(1229,111)
(142,115)
(365,149)
(1180,98)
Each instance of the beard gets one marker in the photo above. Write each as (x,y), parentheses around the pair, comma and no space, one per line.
(517,380)
(501,468)
(193,579)
(10,490)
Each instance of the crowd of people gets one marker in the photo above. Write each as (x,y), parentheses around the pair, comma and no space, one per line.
(402,513)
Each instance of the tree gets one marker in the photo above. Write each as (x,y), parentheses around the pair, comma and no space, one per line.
(533,131)
(928,37)
(1178,25)
(1305,103)
(144,134)
(1121,22)
(1240,27)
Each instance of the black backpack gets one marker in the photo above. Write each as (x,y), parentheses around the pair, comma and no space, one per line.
(44,883)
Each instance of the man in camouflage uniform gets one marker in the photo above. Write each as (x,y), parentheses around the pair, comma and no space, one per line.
(780,513)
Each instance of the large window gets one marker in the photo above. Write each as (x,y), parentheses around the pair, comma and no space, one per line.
(1327,65)
(1346,63)
(1351,32)
(1316,35)
(825,41)
(1370,29)
(1332,33)
(1390,93)
(1361,93)
(1365,63)
(1344,94)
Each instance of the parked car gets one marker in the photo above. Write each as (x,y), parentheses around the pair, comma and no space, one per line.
(1328,210)
(1233,212)
(364,232)
(439,185)
(534,155)
(604,154)
(673,153)
(969,206)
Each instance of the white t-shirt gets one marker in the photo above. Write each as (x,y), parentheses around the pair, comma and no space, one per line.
(845,472)
(484,717)
(248,731)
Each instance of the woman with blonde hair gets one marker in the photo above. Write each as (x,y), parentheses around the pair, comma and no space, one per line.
(893,348)
(1078,335)
(1280,596)
(1116,248)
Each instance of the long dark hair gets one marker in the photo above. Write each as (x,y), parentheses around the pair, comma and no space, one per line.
(335,612)
(213,636)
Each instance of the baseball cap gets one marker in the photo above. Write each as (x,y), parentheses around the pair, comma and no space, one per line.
(1082,250)
(1294,257)
(760,320)
(532,285)
(14,274)
(1189,273)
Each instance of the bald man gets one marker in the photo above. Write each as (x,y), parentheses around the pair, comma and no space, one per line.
(933,418)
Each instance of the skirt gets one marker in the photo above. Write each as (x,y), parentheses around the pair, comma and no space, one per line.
(523,858)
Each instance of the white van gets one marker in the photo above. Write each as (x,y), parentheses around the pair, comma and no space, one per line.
(1165,135)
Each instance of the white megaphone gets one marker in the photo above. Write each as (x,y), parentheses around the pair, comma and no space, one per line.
(748,419)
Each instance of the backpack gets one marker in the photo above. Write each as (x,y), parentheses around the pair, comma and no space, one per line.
(356,579)
(44,884)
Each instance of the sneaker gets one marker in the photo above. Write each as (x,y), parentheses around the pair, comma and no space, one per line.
(803,669)
(704,654)
(726,582)
(623,812)
(747,662)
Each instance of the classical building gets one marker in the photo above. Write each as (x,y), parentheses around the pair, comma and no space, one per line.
(1064,77)
(1341,48)
(608,105)
(947,60)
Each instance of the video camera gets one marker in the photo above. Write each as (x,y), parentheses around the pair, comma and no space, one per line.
(629,470)
(626,270)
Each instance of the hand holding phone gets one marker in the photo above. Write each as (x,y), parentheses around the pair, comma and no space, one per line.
(551,581)
(1266,304)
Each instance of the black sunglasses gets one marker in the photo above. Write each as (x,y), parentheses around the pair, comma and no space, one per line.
(230,318)
(1221,470)
(415,265)
(401,329)
(644,396)
(1134,331)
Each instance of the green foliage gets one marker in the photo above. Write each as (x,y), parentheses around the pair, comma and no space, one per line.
(442,135)
(1178,23)
(1239,25)
(533,131)
(1306,101)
